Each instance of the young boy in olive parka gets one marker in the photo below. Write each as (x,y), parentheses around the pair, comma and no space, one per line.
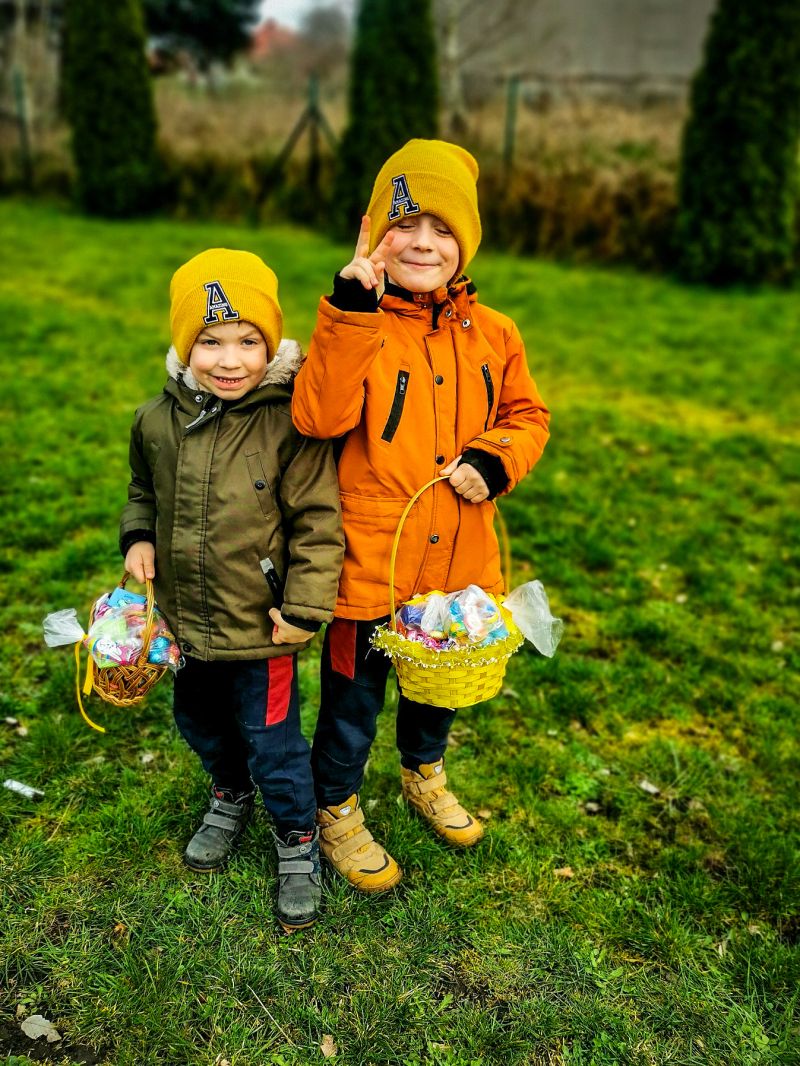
(235,517)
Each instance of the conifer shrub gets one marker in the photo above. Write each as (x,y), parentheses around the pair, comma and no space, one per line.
(739,177)
(109,104)
(393,96)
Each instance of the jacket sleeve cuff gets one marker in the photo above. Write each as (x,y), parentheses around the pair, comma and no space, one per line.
(127,540)
(350,295)
(490,467)
(301,623)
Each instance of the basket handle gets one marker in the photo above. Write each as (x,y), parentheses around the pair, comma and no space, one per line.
(506,545)
(148,623)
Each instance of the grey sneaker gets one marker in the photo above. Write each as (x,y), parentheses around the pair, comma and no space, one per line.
(212,844)
(299,889)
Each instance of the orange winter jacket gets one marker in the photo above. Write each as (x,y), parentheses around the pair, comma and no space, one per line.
(413,386)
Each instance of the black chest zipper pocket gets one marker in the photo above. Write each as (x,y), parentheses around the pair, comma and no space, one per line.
(393,421)
(487,378)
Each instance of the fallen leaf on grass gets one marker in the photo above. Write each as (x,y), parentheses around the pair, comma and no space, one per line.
(37,1026)
(221,1061)
(327,1047)
(722,948)
(485,815)
(120,929)
(564,871)
(696,805)
(649,787)
(21,730)
(146,758)
(20,1011)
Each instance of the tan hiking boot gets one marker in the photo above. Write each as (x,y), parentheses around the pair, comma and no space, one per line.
(350,849)
(427,794)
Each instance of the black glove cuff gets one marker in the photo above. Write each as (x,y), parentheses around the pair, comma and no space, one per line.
(490,467)
(350,295)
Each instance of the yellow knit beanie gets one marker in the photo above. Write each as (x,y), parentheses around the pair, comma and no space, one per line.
(429,177)
(221,285)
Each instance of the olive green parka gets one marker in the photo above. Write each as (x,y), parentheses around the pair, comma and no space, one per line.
(228,490)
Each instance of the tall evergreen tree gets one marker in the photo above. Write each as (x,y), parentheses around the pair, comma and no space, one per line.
(739,173)
(109,103)
(393,96)
(210,29)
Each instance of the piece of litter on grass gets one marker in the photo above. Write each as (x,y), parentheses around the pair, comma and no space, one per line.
(11,721)
(485,815)
(564,871)
(146,758)
(649,787)
(327,1047)
(37,1026)
(592,808)
(21,730)
(28,791)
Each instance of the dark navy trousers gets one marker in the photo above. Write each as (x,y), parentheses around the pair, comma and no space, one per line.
(353,679)
(242,717)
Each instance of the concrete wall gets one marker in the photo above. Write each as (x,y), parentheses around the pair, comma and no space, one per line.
(628,45)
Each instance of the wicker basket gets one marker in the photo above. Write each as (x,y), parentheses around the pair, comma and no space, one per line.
(124,685)
(457,678)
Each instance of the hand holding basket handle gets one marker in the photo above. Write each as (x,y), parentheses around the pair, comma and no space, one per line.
(460,677)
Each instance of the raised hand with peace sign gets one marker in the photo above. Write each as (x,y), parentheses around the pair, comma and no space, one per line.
(369,269)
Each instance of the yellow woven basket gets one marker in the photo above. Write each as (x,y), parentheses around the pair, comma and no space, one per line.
(457,678)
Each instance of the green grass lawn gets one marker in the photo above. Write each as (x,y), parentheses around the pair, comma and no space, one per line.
(664,521)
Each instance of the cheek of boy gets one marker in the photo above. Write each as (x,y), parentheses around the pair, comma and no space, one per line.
(466,480)
(229,358)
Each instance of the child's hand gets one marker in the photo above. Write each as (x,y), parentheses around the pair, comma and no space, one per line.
(283,633)
(141,560)
(369,270)
(466,480)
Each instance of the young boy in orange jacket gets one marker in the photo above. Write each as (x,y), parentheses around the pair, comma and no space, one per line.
(416,379)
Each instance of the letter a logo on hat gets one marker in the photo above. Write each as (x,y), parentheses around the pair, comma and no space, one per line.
(401,197)
(218,302)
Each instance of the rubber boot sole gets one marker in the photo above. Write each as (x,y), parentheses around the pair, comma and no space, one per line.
(386,887)
(457,844)
(289,928)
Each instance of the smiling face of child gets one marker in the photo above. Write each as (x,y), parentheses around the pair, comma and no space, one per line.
(229,358)
(424,253)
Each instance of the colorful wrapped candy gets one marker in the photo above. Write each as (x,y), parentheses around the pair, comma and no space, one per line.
(442,622)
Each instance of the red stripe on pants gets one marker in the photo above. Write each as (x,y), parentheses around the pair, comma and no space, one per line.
(281,671)
(342,643)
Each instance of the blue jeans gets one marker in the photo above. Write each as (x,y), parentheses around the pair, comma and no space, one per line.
(353,679)
(242,717)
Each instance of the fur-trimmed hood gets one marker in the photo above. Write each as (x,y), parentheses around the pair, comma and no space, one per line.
(280,371)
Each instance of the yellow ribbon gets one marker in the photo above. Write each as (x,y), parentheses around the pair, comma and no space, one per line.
(87,685)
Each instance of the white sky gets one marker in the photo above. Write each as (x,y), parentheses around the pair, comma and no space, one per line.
(290,12)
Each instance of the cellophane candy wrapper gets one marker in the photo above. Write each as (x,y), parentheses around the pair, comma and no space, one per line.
(117,634)
(442,622)
(530,609)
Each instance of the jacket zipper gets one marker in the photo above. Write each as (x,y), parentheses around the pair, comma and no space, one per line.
(487,377)
(398,402)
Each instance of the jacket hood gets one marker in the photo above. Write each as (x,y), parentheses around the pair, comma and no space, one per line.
(280,371)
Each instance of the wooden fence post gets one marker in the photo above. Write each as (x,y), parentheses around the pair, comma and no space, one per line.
(511,125)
